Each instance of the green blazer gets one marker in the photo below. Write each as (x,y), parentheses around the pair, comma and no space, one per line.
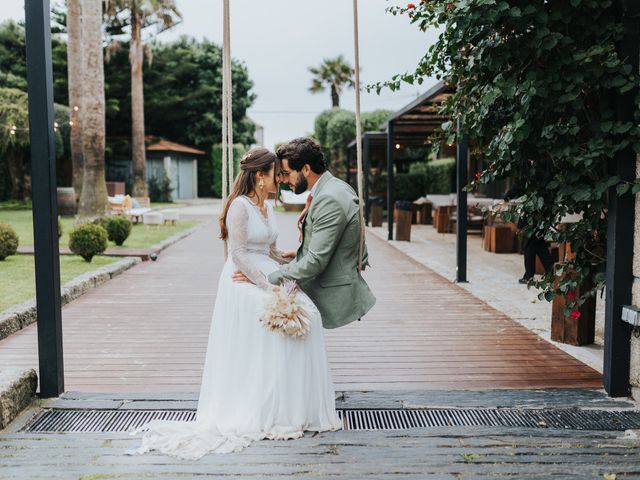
(326,265)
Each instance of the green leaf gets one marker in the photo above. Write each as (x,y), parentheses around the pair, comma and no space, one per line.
(622,188)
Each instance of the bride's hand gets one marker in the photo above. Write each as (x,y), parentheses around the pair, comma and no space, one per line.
(289,254)
(240,277)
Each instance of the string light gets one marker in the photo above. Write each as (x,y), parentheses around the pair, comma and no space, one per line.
(13,129)
(75,109)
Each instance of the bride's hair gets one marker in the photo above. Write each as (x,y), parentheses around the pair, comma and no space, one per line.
(256,160)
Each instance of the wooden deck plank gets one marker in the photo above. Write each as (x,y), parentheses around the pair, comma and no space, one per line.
(147,331)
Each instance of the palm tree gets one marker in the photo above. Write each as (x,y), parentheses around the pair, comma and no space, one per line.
(139,15)
(93,198)
(335,73)
(74,66)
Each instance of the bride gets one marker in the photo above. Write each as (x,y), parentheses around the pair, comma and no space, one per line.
(256,384)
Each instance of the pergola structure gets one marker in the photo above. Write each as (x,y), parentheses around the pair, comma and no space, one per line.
(411,124)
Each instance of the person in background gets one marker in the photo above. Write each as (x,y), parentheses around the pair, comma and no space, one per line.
(534,246)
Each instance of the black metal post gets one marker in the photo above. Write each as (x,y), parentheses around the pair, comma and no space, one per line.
(45,209)
(462,162)
(617,347)
(390,148)
(366,161)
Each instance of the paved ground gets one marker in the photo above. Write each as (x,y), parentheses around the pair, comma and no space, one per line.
(147,330)
(434,453)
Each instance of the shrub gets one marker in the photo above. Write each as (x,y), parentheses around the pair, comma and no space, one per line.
(160,189)
(118,229)
(440,176)
(88,240)
(8,241)
(435,177)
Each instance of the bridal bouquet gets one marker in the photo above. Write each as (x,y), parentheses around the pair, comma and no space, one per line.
(283,313)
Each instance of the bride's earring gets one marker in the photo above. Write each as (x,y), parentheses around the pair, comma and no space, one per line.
(261,184)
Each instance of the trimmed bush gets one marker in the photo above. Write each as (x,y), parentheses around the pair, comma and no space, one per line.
(118,229)
(8,241)
(440,175)
(88,240)
(160,189)
(60,229)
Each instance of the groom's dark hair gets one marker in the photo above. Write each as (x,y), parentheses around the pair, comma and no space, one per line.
(301,151)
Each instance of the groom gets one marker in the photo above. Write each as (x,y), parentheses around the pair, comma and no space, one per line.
(326,264)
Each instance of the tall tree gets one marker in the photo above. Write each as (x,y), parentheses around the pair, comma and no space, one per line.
(139,15)
(93,199)
(334,73)
(75,63)
(14,138)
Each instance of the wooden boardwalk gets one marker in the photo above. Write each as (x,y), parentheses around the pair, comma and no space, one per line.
(147,330)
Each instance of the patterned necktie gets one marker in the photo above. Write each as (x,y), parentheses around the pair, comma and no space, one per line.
(302,216)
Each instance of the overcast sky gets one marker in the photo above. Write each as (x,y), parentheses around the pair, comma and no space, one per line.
(279,39)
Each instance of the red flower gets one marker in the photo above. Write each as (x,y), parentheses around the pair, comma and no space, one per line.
(449,6)
(571,295)
(575,314)
(478,174)
(411,5)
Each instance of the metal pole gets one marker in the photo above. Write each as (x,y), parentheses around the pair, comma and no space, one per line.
(45,208)
(348,164)
(462,156)
(366,152)
(390,147)
(621,216)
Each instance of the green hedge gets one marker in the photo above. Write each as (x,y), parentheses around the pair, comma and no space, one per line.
(440,175)
(214,174)
(435,177)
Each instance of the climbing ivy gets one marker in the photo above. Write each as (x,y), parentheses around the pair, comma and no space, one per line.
(534,87)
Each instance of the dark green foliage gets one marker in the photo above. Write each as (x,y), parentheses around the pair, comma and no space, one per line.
(439,175)
(212,169)
(88,240)
(409,186)
(159,189)
(60,229)
(182,89)
(118,229)
(8,241)
(534,88)
(373,121)
(182,94)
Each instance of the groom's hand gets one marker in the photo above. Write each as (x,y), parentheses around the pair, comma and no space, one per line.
(240,277)
(289,254)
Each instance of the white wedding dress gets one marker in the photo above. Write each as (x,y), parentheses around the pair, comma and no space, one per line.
(256,384)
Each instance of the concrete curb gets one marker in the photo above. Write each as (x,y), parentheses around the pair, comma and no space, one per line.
(19,316)
(17,391)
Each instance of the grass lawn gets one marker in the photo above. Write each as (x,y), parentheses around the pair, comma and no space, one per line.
(17,275)
(141,235)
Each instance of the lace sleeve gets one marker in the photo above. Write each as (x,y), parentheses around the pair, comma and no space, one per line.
(276,254)
(237,222)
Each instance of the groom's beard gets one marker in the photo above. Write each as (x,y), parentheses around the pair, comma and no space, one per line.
(301,185)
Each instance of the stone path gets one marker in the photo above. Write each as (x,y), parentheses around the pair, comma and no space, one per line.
(434,453)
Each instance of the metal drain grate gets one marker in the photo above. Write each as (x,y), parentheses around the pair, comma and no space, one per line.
(112,421)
